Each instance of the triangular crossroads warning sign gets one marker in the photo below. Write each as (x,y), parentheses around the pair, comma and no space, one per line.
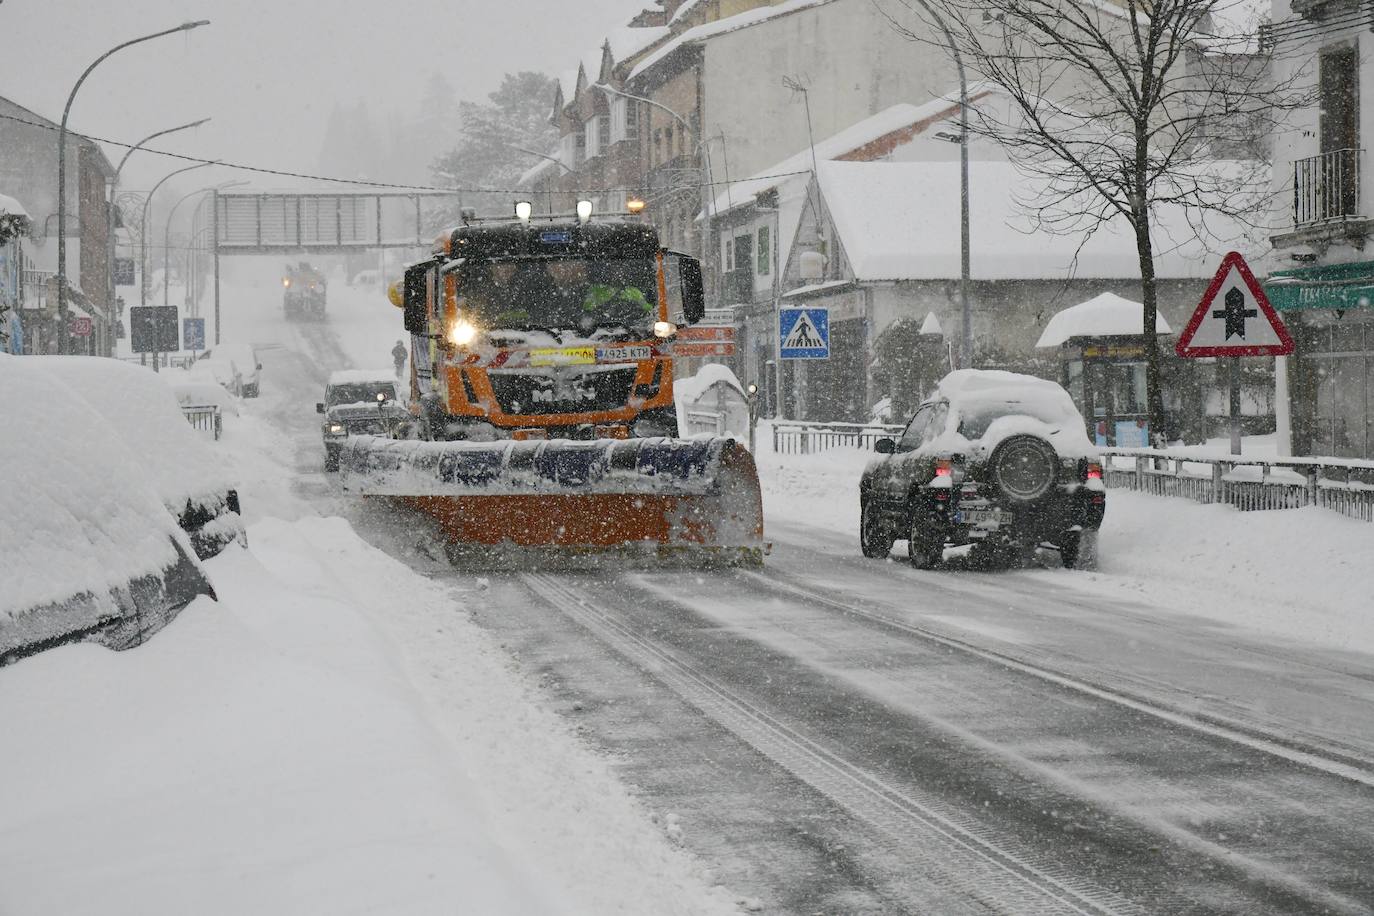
(1234,318)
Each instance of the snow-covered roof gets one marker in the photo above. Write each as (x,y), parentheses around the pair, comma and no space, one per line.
(932,325)
(900,221)
(693,387)
(627,41)
(536,171)
(813,288)
(686,8)
(721,26)
(843,143)
(361,376)
(1104,315)
(11,206)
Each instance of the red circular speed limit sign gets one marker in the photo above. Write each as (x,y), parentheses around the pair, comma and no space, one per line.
(81,327)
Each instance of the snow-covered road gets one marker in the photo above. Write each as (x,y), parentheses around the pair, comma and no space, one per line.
(829,734)
(838,735)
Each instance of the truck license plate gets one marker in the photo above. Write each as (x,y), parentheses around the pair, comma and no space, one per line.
(622,354)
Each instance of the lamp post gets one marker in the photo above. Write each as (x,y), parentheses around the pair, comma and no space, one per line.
(167,231)
(701,149)
(143,240)
(966,340)
(114,188)
(62,332)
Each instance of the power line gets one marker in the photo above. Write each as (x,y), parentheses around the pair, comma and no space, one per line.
(282,173)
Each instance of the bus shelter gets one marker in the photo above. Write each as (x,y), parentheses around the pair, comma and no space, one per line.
(1102,365)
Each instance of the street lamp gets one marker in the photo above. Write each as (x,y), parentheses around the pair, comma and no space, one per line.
(143,236)
(114,188)
(167,231)
(62,337)
(966,341)
(701,151)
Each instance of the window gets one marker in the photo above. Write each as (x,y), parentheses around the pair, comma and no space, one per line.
(591,134)
(728,258)
(915,430)
(765,253)
(619,113)
(631,119)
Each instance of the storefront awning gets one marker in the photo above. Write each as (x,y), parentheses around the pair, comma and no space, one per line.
(1331,286)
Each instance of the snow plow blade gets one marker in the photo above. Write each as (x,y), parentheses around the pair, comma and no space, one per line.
(694,498)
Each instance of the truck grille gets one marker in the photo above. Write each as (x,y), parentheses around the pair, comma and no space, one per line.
(562,393)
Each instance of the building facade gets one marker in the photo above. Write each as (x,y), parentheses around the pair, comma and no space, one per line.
(1322,281)
(28,171)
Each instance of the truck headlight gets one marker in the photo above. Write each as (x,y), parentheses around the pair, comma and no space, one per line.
(336,429)
(664,329)
(462,333)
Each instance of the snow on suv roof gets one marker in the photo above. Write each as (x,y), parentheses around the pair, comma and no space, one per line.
(990,383)
(362,376)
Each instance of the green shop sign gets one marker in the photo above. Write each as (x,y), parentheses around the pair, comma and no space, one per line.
(1332,286)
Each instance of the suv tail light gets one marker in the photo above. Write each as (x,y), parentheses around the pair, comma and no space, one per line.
(1093,471)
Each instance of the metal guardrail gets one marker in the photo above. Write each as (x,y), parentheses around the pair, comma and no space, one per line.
(804,438)
(204,417)
(1342,485)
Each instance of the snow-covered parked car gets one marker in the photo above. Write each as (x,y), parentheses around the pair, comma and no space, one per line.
(358,402)
(246,365)
(994,460)
(222,372)
(190,477)
(88,550)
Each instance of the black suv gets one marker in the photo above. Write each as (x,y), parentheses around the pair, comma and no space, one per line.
(995,460)
(358,403)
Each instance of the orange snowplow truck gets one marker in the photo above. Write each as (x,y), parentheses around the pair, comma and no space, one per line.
(542,397)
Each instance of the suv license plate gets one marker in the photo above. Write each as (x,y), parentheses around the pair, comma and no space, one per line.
(988,518)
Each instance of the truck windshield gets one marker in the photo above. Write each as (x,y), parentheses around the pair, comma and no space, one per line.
(573,294)
(359,393)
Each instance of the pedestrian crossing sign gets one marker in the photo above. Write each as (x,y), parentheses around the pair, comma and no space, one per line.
(804,333)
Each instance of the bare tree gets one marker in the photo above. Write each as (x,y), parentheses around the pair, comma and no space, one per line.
(1121,107)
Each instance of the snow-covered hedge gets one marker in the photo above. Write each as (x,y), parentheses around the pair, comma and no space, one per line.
(87,546)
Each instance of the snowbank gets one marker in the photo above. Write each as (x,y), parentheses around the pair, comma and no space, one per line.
(81,520)
(272,754)
(147,418)
(1298,573)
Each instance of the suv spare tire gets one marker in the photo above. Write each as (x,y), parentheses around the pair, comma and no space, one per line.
(1023,468)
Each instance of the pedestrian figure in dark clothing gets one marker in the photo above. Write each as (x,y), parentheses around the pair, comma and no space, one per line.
(398,355)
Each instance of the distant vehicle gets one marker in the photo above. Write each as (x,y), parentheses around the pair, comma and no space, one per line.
(358,402)
(993,460)
(246,364)
(303,292)
(220,371)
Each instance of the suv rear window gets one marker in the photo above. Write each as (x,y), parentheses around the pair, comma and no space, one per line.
(976,416)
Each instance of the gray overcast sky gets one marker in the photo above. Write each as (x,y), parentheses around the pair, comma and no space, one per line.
(270,71)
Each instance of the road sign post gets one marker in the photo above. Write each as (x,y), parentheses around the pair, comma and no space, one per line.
(153,329)
(193,334)
(1234,319)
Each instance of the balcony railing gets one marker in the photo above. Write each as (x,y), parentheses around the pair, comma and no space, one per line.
(1326,188)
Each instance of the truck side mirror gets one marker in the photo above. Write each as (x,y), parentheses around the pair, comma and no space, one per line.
(693,290)
(319,408)
(414,304)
